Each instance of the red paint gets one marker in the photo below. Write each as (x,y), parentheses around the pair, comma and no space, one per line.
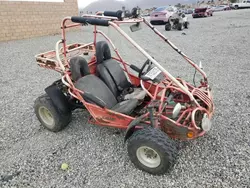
(157,92)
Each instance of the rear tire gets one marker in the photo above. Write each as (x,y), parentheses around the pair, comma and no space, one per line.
(168,27)
(151,150)
(49,116)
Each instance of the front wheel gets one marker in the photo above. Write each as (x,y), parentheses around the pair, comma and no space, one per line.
(180,26)
(186,24)
(151,150)
(49,116)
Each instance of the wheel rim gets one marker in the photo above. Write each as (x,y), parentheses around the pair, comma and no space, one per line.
(46,117)
(148,157)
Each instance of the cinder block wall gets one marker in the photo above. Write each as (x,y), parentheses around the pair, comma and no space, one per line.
(20,19)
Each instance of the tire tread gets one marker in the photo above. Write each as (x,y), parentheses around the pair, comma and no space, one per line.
(158,137)
(61,120)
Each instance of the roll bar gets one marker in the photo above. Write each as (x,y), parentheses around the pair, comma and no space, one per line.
(114,19)
(91,21)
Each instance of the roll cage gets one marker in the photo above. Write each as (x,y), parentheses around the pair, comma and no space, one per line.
(199,97)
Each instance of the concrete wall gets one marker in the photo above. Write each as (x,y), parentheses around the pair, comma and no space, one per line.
(20,19)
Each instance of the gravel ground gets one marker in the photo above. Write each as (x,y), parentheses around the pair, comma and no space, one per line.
(31,156)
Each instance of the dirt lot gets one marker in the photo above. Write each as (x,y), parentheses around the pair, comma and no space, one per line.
(30,156)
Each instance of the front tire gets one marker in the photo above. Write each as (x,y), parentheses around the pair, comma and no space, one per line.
(49,116)
(186,24)
(151,150)
(180,26)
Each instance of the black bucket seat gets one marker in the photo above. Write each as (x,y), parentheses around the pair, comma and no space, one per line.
(95,90)
(110,71)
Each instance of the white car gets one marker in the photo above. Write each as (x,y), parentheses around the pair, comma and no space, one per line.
(243,4)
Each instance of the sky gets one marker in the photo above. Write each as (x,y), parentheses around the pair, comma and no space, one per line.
(84,3)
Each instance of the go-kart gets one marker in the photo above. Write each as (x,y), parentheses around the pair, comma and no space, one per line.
(177,21)
(153,107)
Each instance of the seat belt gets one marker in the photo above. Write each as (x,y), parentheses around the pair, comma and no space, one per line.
(122,91)
(119,88)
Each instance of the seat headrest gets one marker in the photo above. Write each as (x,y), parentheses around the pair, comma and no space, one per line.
(79,67)
(102,51)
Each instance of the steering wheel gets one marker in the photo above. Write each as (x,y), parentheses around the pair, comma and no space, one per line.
(147,63)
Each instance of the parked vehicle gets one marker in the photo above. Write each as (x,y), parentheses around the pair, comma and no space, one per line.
(145,15)
(221,8)
(152,105)
(202,12)
(177,21)
(162,14)
(190,11)
(242,4)
(182,11)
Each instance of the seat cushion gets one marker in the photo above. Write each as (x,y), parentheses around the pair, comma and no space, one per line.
(113,76)
(126,107)
(138,93)
(92,85)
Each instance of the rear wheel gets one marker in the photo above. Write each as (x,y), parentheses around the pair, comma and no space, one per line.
(168,26)
(49,116)
(151,150)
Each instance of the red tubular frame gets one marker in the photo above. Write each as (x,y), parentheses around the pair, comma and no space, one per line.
(106,117)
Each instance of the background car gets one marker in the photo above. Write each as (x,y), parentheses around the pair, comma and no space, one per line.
(182,11)
(221,8)
(190,11)
(204,11)
(162,14)
(241,4)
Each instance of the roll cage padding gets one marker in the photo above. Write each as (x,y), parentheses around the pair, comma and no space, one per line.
(91,21)
(117,14)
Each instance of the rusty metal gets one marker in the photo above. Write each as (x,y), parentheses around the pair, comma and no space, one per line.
(196,101)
